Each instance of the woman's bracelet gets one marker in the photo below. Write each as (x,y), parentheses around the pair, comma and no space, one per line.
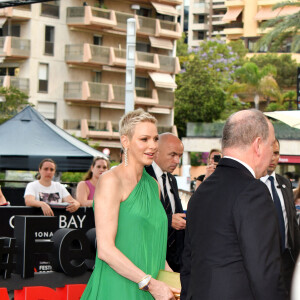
(144,283)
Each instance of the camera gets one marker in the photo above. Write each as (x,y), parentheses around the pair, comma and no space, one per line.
(217,158)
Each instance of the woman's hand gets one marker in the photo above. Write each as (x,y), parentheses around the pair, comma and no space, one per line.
(73,206)
(160,291)
(47,211)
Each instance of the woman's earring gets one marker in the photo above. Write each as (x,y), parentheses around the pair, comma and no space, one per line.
(126,157)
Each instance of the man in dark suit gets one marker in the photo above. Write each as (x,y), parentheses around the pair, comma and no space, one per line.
(170,150)
(232,249)
(281,189)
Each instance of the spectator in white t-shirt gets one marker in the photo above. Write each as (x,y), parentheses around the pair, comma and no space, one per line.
(44,192)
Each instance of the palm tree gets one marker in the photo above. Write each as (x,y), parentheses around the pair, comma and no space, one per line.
(284,101)
(255,81)
(283,27)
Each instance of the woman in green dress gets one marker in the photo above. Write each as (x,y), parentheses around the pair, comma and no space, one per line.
(131,224)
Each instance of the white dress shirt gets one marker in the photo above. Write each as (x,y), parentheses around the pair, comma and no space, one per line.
(158,172)
(267,182)
(242,163)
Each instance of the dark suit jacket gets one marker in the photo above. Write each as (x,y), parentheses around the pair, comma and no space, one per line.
(293,228)
(232,244)
(172,258)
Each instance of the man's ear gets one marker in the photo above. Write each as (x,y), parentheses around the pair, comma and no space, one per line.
(257,146)
(124,141)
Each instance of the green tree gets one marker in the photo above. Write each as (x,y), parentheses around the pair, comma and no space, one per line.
(15,100)
(284,101)
(255,81)
(207,72)
(286,75)
(182,49)
(283,27)
(220,57)
(199,97)
(239,48)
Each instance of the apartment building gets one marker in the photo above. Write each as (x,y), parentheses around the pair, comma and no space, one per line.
(202,19)
(244,17)
(70,57)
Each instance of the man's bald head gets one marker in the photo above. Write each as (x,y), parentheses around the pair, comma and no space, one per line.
(170,150)
(249,136)
(243,127)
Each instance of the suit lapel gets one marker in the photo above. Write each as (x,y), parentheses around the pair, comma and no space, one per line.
(151,172)
(283,189)
(285,196)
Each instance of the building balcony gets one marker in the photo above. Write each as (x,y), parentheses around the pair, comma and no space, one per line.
(234,3)
(108,95)
(218,6)
(146,61)
(91,18)
(104,129)
(218,19)
(14,47)
(168,29)
(167,128)
(200,26)
(200,8)
(268,2)
(85,92)
(221,33)
(168,2)
(88,55)
(10,81)
(234,31)
(261,31)
(169,64)
(98,129)
(234,28)
(17,13)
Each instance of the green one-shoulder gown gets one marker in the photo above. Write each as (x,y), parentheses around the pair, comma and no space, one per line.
(142,237)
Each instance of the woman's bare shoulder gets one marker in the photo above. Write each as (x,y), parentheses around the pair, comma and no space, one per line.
(112,176)
(81,183)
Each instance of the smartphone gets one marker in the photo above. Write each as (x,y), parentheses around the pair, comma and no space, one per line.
(217,158)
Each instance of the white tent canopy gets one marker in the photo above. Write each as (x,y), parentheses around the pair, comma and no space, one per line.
(289,117)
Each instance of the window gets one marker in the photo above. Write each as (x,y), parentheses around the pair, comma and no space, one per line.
(48,110)
(165,17)
(97,77)
(200,19)
(50,9)
(43,78)
(143,47)
(251,44)
(10,30)
(200,35)
(49,40)
(95,113)
(97,40)
(144,12)
(9,71)
(141,82)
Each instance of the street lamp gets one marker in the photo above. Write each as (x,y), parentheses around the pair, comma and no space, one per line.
(130,65)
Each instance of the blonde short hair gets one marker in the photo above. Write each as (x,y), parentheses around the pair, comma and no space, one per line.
(131,119)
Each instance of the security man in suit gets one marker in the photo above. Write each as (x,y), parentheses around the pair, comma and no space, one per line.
(232,249)
(170,150)
(282,194)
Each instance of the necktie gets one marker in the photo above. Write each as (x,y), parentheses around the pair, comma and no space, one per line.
(168,209)
(279,212)
(167,202)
